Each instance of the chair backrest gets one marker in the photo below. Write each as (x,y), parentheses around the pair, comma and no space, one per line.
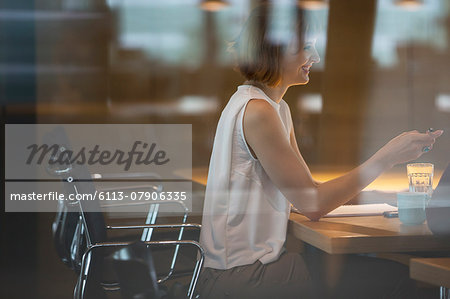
(69,236)
(94,221)
(74,229)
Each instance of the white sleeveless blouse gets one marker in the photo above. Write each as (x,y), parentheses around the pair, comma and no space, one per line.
(245,216)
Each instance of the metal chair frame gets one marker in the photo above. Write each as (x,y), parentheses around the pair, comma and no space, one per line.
(66,174)
(152,213)
(80,289)
(148,228)
(151,220)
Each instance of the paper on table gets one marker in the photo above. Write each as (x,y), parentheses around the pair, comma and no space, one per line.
(361,210)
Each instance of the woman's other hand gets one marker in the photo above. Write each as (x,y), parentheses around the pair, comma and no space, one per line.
(408,146)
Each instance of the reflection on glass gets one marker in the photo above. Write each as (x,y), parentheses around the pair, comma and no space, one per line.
(396,26)
(166,31)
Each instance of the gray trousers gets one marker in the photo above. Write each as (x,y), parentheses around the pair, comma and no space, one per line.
(287,277)
(311,275)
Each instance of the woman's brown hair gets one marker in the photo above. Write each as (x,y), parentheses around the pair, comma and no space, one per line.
(259,54)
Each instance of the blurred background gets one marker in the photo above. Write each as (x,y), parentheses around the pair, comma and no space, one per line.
(384,69)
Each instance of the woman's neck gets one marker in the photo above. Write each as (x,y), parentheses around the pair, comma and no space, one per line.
(274,93)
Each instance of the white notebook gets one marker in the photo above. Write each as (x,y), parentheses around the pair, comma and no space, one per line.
(361,210)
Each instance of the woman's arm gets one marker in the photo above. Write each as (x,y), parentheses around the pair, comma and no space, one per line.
(294,145)
(265,135)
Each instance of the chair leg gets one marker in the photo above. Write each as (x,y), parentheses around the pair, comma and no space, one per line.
(81,282)
(76,290)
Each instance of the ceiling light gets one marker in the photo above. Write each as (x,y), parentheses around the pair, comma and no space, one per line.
(409,4)
(313,4)
(213,5)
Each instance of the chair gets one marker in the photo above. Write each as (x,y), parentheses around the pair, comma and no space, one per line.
(79,234)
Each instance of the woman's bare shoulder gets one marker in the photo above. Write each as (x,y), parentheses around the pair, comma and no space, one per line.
(258,111)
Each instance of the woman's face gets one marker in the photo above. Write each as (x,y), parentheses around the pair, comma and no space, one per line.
(297,62)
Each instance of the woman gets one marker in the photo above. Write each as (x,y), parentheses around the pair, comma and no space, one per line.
(257,171)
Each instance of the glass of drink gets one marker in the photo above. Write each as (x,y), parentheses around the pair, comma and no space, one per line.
(420,177)
(411,207)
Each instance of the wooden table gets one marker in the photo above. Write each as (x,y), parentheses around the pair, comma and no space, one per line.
(435,271)
(364,234)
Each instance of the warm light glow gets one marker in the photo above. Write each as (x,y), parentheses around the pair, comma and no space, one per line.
(409,4)
(393,181)
(442,102)
(213,5)
(313,4)
(310,103)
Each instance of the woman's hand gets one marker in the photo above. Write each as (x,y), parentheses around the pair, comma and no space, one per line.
(407,146)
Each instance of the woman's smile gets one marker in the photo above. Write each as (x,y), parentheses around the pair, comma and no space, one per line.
(306,68)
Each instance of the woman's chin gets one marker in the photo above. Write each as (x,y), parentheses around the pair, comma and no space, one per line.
(303,79)
(302,82)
